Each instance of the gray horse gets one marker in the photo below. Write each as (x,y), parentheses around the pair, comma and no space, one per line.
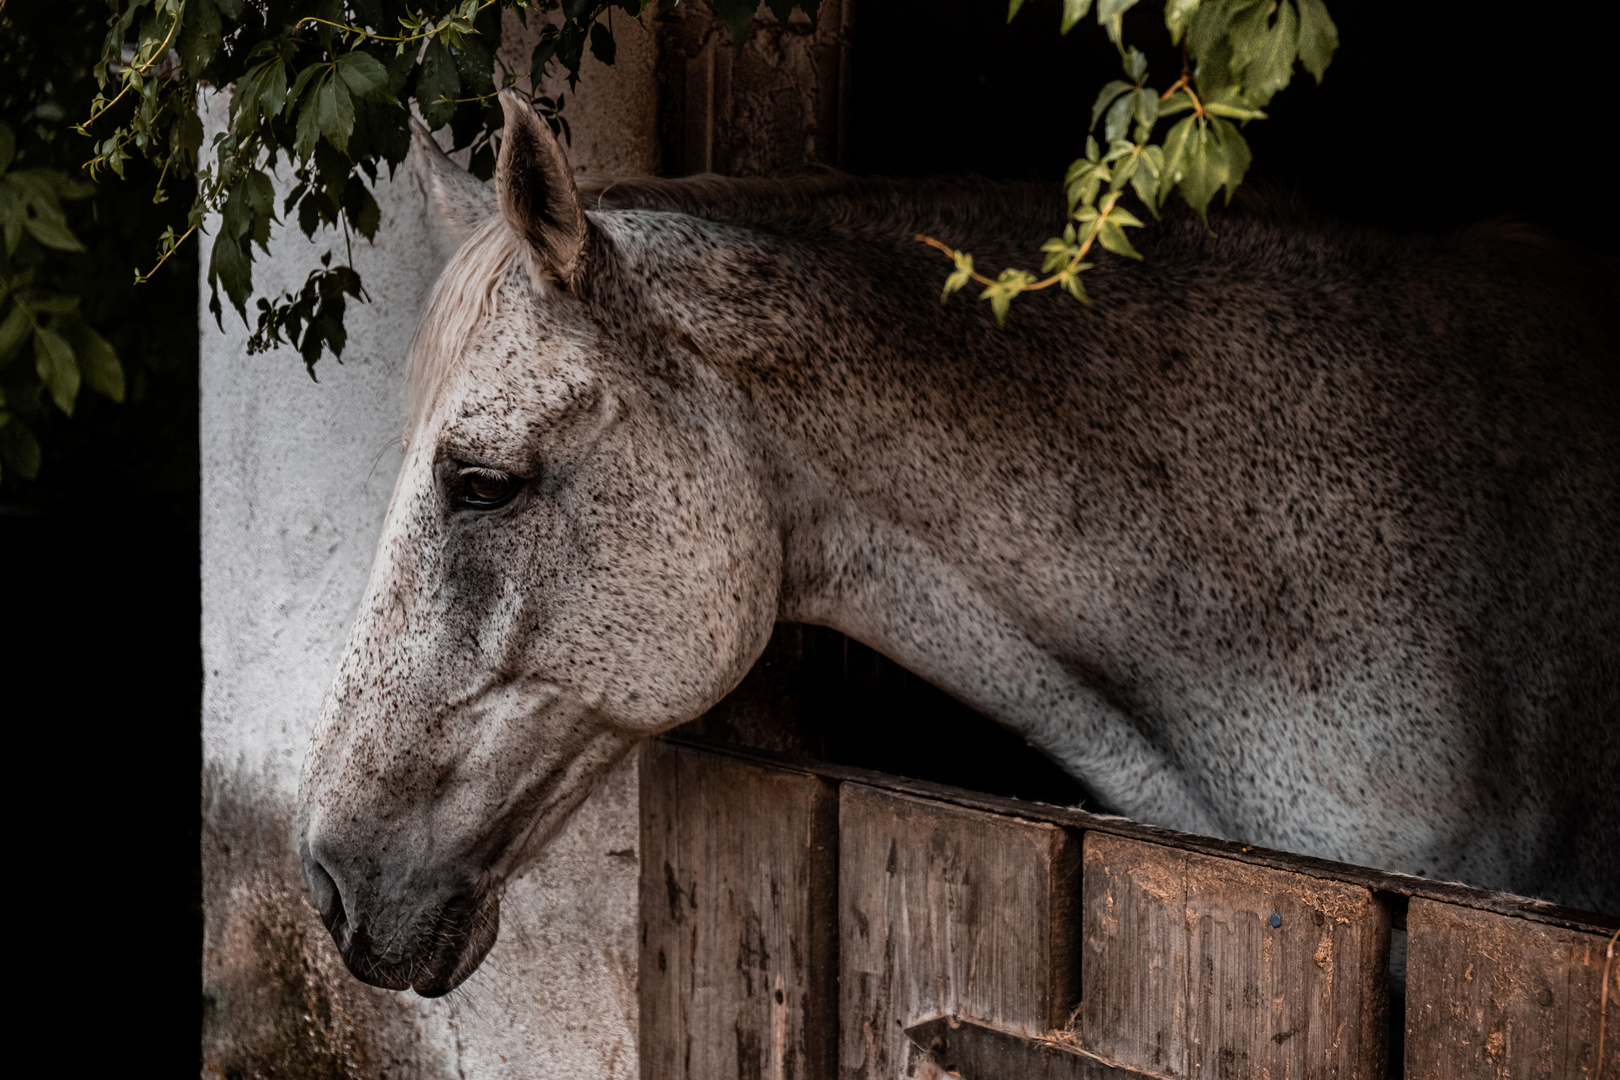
(1304,536)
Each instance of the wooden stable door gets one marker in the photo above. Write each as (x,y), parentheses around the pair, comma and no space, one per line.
(802,921)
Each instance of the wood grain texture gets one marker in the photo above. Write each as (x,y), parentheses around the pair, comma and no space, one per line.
(972,1051)
(947,910)
(1386,882)
(739,920)
(1498,997)
(1184,973)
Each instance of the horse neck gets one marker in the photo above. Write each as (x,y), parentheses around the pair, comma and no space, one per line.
(887,425)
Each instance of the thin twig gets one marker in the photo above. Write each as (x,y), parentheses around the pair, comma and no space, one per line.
(139,69)
(141,278)
(1080,253)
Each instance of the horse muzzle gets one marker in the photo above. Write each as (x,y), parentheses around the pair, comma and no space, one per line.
(432,953)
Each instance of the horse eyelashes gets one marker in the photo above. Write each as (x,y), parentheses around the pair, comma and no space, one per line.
(484,489)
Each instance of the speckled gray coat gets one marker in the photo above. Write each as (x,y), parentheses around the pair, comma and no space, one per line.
(1305,536)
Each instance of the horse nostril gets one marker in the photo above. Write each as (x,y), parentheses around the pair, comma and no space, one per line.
(322,889)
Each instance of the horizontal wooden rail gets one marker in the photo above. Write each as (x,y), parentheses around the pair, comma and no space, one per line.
(1394,889)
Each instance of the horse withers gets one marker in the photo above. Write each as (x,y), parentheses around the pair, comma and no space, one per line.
(1304,536)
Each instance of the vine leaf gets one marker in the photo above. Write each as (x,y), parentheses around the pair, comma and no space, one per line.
(1318,37)
(54,363)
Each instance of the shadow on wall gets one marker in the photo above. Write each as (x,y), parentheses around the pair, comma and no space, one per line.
(277,1001)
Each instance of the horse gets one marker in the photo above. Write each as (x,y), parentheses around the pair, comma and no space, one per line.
(1304,535)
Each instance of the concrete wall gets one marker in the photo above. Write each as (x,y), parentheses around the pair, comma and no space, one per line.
(296,479)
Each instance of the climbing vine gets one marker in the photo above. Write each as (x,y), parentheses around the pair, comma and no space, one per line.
(1235,56)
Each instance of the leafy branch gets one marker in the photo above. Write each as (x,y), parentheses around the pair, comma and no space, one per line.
(326,87)
(1236,55)
(68,353)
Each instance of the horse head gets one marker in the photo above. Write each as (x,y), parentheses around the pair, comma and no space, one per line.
(580,552)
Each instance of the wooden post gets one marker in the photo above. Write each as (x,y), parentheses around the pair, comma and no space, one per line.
(1194,966)
(1492,996)
(739,920)
(948,910)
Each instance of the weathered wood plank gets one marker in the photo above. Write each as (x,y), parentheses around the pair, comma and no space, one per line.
(1380,881)
(1492,996)
(946,910)
(1204,967)
(739,919)
(963,1048)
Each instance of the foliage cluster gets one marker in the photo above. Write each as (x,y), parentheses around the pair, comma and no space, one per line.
(328,86)
(75,335)
(1235,56)
(325,86)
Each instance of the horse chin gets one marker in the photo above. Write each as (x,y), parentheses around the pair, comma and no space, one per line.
(461,937)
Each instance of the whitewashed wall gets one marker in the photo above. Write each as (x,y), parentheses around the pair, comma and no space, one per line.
(296,478)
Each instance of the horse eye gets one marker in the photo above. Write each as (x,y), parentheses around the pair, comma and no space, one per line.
(484,489)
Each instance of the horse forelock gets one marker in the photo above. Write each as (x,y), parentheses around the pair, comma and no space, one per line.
(467,292)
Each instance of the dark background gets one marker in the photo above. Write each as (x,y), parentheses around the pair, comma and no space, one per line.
(1432,116)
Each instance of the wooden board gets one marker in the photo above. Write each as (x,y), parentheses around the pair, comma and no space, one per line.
(739,919)
(1204,967)
(1387,883)
(1493,996)
(946,910)
(972,1051)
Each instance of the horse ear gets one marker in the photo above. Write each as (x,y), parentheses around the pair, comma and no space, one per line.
(536,191)
(463,202)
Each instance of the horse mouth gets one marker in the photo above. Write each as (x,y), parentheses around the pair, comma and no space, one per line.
(451,949)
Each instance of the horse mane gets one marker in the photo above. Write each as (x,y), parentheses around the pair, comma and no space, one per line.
(823,202)
(833,202)
(467,291)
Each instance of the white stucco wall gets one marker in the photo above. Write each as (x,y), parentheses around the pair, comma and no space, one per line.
(296,477)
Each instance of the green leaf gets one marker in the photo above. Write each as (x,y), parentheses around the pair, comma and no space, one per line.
(1268,65)
(1119,117)
(1135,65)
(1318,37)
(1073,12)
(1110,92)
(1012,8)
(52,231)
(1238,157)
(959,277)
(229,267)
(361,208)
(308,131)
(301,84)
(1112,237)
(13,332)
(1071,282)
(1217,107)
(336,112)
(1176,15)
(18,447)
(1205,170)
(53,361)
(201,35)
(1175,154)
(1179,102)
(365,76)
(1145,182)
(97,360)
(438,85)
(1110,15)
(1147,109)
